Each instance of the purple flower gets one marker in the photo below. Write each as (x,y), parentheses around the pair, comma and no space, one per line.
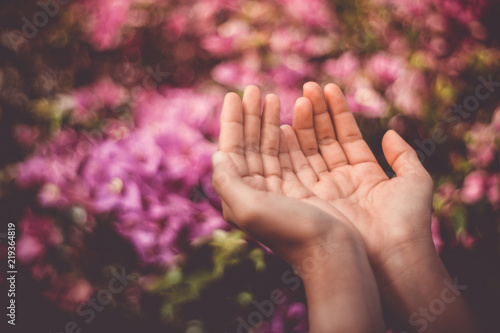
(288,317)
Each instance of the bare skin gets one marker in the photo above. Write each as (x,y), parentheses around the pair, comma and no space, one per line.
(392,215)
(289,186)
(262,194)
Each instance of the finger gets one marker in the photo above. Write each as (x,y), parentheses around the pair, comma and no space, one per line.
(348,133)
(270,137)
(251,128)
(304,129)
(287,173)
(402,157)
(231,138)
(300,164)
(328,145)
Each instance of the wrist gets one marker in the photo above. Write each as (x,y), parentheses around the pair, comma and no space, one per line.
(396,261)
(421,294)
(338,281)
(321,253)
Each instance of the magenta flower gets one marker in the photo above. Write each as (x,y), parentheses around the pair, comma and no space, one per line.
(38,233)
(288,317)
(102,94)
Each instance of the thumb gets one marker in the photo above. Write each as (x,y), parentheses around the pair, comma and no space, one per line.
(401,156)
(227,181)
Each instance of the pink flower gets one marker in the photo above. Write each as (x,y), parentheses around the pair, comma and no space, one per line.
(29,248)
(384,68)
(69,291)
(176,24)
(38,170)
(466,240)
(103,21)
(314,13)
(463,12)
(481,148)
(362,98)
(495,121)
(235,74)
(102,94)
(342,67)
(287,317)
(473,187)
(26,135)
(493,190)
(406,92)
(38,233)
(218,45)
(436,236)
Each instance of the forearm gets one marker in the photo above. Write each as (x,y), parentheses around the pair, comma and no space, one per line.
(421,294)
(342,293)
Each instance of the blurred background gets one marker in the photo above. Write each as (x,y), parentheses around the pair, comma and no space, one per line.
(109,115)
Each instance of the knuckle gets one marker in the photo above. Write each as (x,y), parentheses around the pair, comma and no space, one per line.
(310,151)
(270,151)
(252,147)
(326,140)
(349,138)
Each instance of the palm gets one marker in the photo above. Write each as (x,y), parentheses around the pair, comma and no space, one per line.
(260,191)
(320,170)
(333,161)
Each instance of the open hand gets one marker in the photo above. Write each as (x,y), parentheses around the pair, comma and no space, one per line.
(261,192)
(333,161)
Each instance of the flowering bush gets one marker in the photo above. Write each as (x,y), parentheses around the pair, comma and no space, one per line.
(110,115)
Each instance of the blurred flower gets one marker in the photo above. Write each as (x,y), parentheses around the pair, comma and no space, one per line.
(38,233)
(69,291)
(466,240)
(26,135)
(405,92)
(103,94)
(362,98)
(103,21)
(342,67)
(436,235)
(234,74)
(384,68)
(473,188)
(481,148)
(493,190)
(288,317)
